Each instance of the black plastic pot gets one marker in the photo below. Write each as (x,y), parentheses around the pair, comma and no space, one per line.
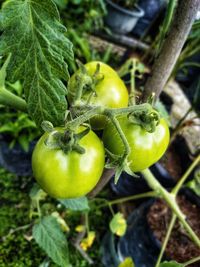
(16,160)
(152,9)
(136,243)
(122,20)
(139,242)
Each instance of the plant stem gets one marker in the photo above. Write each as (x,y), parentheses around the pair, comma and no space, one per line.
(185,176)
(191,261)
(132,92)
(185,15)
(164,245)
(89,112)
(122,135)
(12,231)
(9,99)
(105,178)
(170,198)
(166,23)
(124,199)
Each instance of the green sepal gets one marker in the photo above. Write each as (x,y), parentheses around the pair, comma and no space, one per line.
(47,126)
(148,119)
(80,135)
(54,140)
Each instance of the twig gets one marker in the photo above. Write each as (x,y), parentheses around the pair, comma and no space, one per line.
(191,261)
(170,51)
(105,178)
(185,176)
(164,245)
(12,231)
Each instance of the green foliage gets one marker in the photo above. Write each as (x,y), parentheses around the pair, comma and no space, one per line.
(40,53)
(128,262)
(75,203)
(118,224)
(166,24)
(24,253)
(170,264)
(191,48)
(162,110)
(49,236)
(194,184)
(61,3)
(16,124)
(14,210)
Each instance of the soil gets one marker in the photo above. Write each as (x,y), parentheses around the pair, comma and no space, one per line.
(172,163)
(180,247)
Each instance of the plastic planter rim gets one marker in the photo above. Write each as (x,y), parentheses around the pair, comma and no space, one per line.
(137,12)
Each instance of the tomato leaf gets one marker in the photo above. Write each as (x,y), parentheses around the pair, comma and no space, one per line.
(171,264)
(118,224)
(49,237)
(40,51)
(75,203)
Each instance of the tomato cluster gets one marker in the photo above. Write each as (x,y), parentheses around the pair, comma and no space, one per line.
(73,174)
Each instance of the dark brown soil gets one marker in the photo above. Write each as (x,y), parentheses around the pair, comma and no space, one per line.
(172,163)
(180,247)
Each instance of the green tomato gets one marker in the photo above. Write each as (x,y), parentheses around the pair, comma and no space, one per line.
(145,148)
(111,91)
(68,175)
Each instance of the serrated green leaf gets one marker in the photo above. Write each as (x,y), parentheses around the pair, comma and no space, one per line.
(61,3)
(34,36)
(49,237)
(118,224)
(128,262)
(171,264)
(75,203)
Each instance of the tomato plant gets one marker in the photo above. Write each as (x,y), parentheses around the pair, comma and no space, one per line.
(70,174)
(108,90)
(145,148)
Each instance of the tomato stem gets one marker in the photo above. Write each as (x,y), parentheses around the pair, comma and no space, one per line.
(185,176)
(9,99)
(87,112)
(121,134)
(191,261)
(164,245)
(170,198)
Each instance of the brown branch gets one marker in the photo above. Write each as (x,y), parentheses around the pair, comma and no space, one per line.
(184,17)
(105,178)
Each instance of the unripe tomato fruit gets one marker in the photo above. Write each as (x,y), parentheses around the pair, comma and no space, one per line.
(68,175)
(146,148)
(111,91)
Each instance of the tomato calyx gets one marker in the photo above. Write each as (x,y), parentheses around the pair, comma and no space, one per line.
(120,163)
(67,140)
(85,82)
(149,119)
